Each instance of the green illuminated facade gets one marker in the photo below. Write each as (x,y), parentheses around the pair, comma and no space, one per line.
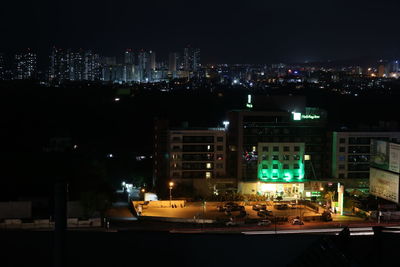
(281,162)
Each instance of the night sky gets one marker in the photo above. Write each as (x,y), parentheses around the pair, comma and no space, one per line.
(226,31)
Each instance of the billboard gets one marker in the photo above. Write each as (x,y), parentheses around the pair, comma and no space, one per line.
(384,184)
(385,155)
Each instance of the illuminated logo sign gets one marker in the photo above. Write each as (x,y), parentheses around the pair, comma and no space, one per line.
(249,104)
(310,117)
(297,116)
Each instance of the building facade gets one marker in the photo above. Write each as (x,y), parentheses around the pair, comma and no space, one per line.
(25,65)
(192,158)
(67,65)
(276,152)
(351,155)
(2,67)
(384,180)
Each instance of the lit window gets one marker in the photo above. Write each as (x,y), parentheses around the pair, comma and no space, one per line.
(208,175)
(254,149)
(307,157)
(208,165)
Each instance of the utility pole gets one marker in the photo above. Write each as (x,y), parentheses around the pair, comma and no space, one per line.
(60,156)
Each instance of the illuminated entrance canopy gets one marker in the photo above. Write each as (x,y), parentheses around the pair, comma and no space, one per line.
(292,190)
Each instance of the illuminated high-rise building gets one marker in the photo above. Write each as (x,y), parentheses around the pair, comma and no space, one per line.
(173,62)
(129,57)
(191,59)
(66,65)
(141,67)
(75,66)
(59,65)
(152,60)
(128,66)
(25,65)
(91,66)
(2,67)
(146,66)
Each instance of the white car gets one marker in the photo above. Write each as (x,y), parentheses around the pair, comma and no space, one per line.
(297,222)
(233,222)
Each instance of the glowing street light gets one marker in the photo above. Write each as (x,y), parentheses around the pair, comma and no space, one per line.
(171,185)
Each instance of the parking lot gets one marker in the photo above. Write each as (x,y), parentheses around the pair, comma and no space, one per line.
(210,210)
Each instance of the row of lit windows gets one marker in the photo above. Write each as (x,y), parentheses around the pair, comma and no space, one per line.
(192,175)
(200,148)
(285,148)
(276,157)
(284,166)
(197,157)
(188,166)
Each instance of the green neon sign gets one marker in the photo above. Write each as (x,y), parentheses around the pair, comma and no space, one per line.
(297,116)
(249,104)
(310,117)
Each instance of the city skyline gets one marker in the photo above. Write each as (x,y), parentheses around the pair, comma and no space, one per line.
(226,32)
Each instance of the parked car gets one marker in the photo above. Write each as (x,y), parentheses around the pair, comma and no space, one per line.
(242,214)
(258,207)
(234,222)
(234,207)
(264,213)
(264,222)
(226,206)
(282,206)
(297,221)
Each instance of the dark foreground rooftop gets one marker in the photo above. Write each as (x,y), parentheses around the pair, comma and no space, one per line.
(85,248)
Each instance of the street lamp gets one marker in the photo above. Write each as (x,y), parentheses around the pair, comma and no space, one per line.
(143,191)
(171,185)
